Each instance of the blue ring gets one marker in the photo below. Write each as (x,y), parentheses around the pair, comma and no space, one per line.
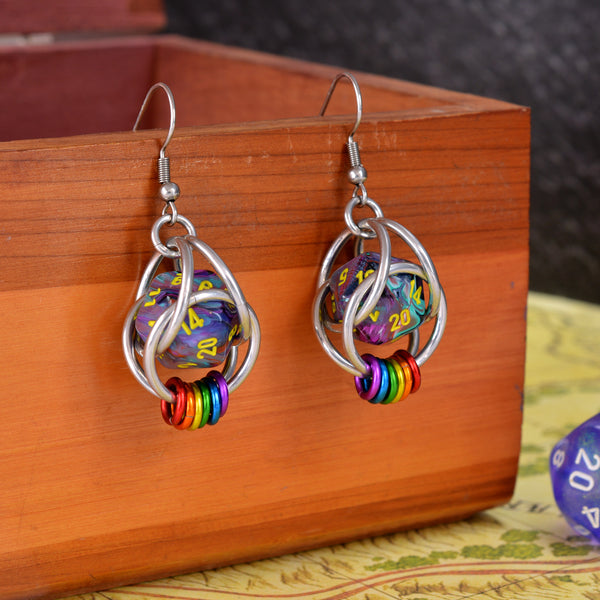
(215,400)
(384,387)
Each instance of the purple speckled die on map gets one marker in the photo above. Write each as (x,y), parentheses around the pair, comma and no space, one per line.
(400,309)
(575,473)
(208,330)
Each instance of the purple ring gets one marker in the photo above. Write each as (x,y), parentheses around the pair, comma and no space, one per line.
(365,390)
(223,389)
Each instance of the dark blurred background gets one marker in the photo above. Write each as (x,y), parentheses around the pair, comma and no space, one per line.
(540,53)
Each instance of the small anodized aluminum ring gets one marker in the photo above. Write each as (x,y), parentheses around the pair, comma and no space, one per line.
(223,389)
(215,400)
(413,366)
(384,387)
(369,385)
(173,412)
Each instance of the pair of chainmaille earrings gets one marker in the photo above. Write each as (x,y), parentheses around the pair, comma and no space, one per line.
(196,318)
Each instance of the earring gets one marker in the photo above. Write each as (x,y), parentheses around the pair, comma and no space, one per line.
(187,318)
(376,298)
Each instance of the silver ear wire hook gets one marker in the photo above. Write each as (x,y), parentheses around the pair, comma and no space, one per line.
(357,174)
(169,191)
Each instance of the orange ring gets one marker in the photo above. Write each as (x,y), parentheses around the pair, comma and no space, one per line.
(190,409)
(408,379)
(414,368)
(408,375)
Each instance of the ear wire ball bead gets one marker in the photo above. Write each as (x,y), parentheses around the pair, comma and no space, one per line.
(385,383)
(368,385)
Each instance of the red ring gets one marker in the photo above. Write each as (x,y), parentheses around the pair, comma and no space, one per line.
(176,413)
(165,408)
(414,367)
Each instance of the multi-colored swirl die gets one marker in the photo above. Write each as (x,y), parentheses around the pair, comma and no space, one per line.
(208,330)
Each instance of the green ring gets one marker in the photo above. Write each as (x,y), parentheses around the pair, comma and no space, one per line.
(206,405)
(401,380)
(393,383)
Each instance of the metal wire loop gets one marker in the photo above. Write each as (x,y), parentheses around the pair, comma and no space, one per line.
(155,233)
(167,326)
(368,293)
(170,207)
(151,91)
(357,93)
(364,231)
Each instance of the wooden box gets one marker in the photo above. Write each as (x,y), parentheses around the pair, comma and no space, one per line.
(96,490)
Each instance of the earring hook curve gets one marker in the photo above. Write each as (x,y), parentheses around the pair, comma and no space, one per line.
(357,93)
(167,90)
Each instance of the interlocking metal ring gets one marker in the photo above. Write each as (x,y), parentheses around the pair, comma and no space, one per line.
(170,321)
(367,295)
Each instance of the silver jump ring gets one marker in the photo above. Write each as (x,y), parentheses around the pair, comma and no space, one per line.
(187,283)
(153,381)
(352,226)
(435,289)
(381,274)
(362,289)
(229,280)
(155,233)
(359,368)
(170,204)
(128,339)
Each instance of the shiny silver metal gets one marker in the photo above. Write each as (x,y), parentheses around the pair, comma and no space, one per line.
(141,357)
(155,233)
(354,302)
(369,291)
(361,232)
(169,191)
(168,324)
(381,275)
(357,174)
(167,90)
(355,311)
(357,93)
(154,382)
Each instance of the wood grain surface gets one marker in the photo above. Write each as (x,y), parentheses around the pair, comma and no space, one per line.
(97,491)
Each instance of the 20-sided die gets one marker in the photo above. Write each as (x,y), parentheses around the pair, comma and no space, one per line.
(400,309)
(575,474)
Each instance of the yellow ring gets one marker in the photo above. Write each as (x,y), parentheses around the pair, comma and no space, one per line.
(198,416)
(401,381)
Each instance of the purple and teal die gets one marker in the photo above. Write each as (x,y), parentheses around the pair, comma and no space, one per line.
(400,309)
(208,330)
(575,475)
